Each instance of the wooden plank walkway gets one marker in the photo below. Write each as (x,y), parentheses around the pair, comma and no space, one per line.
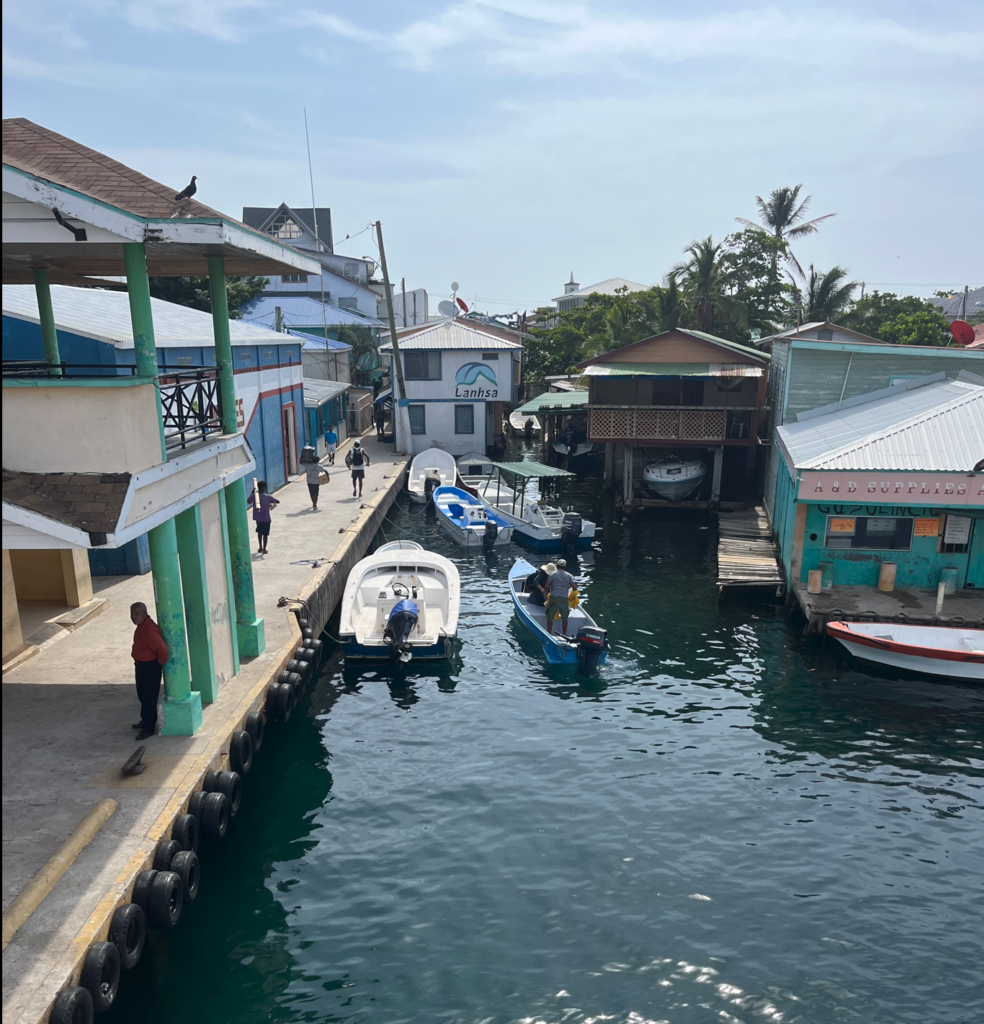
(747,556)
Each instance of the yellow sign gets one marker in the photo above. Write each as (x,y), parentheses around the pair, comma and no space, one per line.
(842,526)
(926,528)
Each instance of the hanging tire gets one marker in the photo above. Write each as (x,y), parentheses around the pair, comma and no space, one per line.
(315,645)
(215,815)
(195,806)
(241,752)
(72,1006)
(128,932)
(231,785)
(187,867)
(254,726)
(294,679)
(211,781)
(300,667)
(271,701)
(163,852)
(283,701)
(284,677)
(185,831)
(307,633)
(166,899)
(141,890)
(303,623)
(101,974)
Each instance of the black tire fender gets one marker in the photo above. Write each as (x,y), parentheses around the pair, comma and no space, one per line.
(166,899)
(215,815)
(314,645)
(307,633)
(187,867)
(128,932)
(283,701)
(195,806)
(163,852)
(231,784)
(141,890)
(101,974)
(72,1005)
(241,752)
(254,726)
(284,677)
(303,623)
(185,831)
(294,679)
(211,781)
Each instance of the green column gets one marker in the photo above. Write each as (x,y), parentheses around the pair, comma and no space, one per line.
(181,707)
(198,616)
(230,588)
(249,629)
(223,344)
(142,320)
(49,335)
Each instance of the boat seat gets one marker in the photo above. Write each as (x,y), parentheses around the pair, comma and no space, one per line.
(455,510)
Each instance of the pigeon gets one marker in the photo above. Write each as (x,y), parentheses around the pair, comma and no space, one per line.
(188,191)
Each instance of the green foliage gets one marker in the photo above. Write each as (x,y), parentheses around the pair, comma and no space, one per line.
(870,314)
(782,217)
(921,327)
(751,259)
(364,357)
(826,296)
(193,292)
(705,280)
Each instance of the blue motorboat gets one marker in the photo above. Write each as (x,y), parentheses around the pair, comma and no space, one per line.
(469,521)
(585,644)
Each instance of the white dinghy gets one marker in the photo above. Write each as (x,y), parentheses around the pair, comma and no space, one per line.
(517,424)
(948,651)
(400,603)
(672,479)
(430,469)
(474,470)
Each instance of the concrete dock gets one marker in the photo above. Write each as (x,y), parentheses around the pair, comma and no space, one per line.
(67,715)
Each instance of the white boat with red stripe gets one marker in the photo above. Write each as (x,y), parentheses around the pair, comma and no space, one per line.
(947,651)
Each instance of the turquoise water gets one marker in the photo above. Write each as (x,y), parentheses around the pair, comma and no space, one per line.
(729,824)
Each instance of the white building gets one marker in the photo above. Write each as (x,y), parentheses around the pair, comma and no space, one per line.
(457,379)
(574,295)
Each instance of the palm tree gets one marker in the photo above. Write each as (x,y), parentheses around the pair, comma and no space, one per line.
(783,218)
(705,283)
(825,297)
(670,307)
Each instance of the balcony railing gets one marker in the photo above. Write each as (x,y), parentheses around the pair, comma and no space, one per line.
(669,423)
(36,369)
(192,405)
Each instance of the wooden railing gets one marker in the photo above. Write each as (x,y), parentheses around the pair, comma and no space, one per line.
(668,423)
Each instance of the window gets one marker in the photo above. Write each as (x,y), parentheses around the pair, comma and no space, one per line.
(825,335)
(490,357)
(184,361)
(422,365)
(693,392)
(885,533)
(464,419)
(956,535)
(418,419)
(348,303)
(293,278)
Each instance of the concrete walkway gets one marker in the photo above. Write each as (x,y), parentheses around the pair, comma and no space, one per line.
(67,714)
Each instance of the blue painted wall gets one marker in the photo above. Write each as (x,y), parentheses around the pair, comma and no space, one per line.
(132,559)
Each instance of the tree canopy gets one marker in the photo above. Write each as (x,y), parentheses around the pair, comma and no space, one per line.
(194,292)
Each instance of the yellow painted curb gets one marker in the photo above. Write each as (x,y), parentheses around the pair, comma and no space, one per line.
(44,881)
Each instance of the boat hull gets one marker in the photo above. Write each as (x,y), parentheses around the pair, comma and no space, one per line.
(542,538)
(471,539)
(673,488)
(354,651)
(897,647)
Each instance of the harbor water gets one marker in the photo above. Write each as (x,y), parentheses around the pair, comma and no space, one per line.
(729,823)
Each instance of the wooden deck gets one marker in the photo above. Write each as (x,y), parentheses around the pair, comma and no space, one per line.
(747,556)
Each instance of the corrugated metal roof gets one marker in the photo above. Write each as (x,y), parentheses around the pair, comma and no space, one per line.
(609,286)
(531,469)
(312,343)
(303,311)
(452,334)
(317,392)
(936,427)
(556,401)
(672,370)
(105,316)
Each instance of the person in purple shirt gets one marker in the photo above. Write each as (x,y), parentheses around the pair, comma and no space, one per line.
(261,503)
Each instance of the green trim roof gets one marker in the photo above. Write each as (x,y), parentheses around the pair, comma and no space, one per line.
(530,469)
(555,401)
(668,370)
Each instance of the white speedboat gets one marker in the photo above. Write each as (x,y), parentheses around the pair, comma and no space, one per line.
(517,424)
(672,479)
(430,469)
(400,603)
(473,471)
(537,522)
(399,545)
(948,651)
(473,525)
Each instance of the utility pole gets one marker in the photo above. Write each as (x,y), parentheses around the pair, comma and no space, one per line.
(401,407)
(278,320)
(963,309)
(403,288)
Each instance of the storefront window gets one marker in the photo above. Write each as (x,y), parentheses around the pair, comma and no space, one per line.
(464,419)
(872,532)
(418,419)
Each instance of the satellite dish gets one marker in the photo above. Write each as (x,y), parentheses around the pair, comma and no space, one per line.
(454,286)
(963,333)
(446,308)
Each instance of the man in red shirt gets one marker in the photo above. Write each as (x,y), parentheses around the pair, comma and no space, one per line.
(149,654)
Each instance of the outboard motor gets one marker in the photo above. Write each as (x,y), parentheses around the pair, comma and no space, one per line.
(570,530)
(491,532)
(591,641)
(396,635)
(431,482)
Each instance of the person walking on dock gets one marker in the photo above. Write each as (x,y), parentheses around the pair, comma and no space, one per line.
(331,443)
(357,459)
(261,503)
(315,475)
(559,586)
(150,654)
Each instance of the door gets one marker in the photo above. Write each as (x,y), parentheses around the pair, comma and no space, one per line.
(291,464)
(975,563)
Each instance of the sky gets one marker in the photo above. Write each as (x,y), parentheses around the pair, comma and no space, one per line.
(508,144)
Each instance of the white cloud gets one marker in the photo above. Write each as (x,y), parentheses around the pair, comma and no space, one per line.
(226,20)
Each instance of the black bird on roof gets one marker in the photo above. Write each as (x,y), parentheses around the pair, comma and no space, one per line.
(188,191)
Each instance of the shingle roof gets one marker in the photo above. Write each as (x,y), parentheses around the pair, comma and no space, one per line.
(452,334)
(91,502)
(105,316)
(935,427)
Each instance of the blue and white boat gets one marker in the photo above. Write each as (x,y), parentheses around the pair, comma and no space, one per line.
(474,526)
(585,643)
(400,603)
